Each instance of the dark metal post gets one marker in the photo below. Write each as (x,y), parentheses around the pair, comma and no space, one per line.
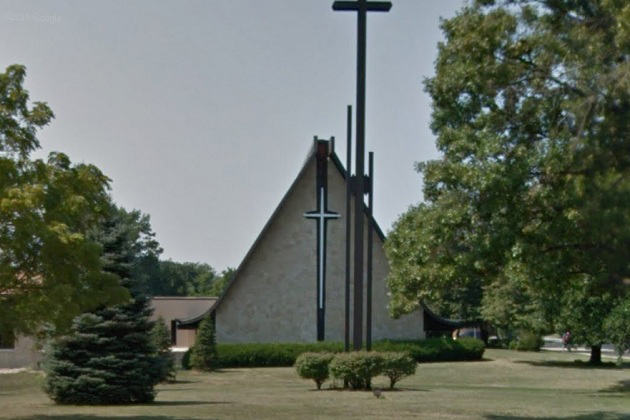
(348,227)
(360,174)
(361,7)
(370,227)
(174,332)
(321,215)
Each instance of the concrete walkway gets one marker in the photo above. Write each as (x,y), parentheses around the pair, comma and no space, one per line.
(14,370)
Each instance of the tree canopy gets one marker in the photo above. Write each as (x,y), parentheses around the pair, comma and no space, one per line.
(49,270)
(172,278)
(55,253)
(526,219)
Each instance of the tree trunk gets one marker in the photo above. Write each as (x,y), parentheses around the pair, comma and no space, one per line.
(596,355)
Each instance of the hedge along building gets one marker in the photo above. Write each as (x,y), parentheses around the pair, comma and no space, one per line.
(290,289)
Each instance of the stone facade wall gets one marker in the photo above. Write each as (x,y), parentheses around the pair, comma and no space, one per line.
(274,296)
(24,354)
(273,299)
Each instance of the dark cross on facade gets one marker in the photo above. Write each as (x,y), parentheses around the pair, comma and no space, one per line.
(361,7)
(322,215)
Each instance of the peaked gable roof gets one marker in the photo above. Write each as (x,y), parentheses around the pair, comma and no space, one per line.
(309,158)
(435,322)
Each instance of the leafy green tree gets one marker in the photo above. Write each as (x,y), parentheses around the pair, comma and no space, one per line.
(584,312)
(204,352)
(430,263)
(50,271)
(161,339)
(109,357)
(171,278)
(221,282)
(618,327)
(178,279)
(531,108)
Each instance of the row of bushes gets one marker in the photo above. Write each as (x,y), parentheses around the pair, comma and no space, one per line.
(437,349)
(523,341)
(269,354)
(285,354)
(356,369)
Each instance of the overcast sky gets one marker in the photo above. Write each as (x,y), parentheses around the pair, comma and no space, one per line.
(202,112)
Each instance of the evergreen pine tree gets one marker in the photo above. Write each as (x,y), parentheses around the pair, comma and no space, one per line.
(204,352)
(108,356)
(161,339)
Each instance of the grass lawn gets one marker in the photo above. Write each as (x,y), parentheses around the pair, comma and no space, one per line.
(506,386)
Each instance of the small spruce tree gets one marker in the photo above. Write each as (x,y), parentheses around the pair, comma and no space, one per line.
(108,356)
(161,339)
(204,352)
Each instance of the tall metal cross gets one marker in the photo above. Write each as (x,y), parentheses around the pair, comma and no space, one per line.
(321,215)
(361,7)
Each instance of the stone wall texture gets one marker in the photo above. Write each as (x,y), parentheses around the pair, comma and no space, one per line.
(273,298)
(24,354)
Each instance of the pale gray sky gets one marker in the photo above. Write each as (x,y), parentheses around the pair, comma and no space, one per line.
(201,112)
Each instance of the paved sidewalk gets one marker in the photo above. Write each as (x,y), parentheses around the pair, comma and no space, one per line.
(14,370)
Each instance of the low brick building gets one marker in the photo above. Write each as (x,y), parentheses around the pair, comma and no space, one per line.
(19,352)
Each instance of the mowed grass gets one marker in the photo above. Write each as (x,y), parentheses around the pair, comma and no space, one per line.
(506,386)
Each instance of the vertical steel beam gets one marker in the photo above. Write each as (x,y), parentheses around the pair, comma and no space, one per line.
(359,190)
(346,344)
(361,7)
(370,238)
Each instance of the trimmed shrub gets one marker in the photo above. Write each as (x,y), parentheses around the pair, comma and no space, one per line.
(204,352)
(357,368)
(314,366)
(397,365)
(436,349)
(528,341)
(269,354)
(186,360)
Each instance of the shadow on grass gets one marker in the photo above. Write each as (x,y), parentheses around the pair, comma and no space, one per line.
(166,389)
(576,364)
(599,415)
(621,387)
(178,382)
(183,403)
(388,390)
(92,417)
(231,370)
(383,390)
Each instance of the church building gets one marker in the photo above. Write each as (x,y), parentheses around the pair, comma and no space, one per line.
(290,287)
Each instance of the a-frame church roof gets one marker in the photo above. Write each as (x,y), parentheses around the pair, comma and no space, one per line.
(309,158)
